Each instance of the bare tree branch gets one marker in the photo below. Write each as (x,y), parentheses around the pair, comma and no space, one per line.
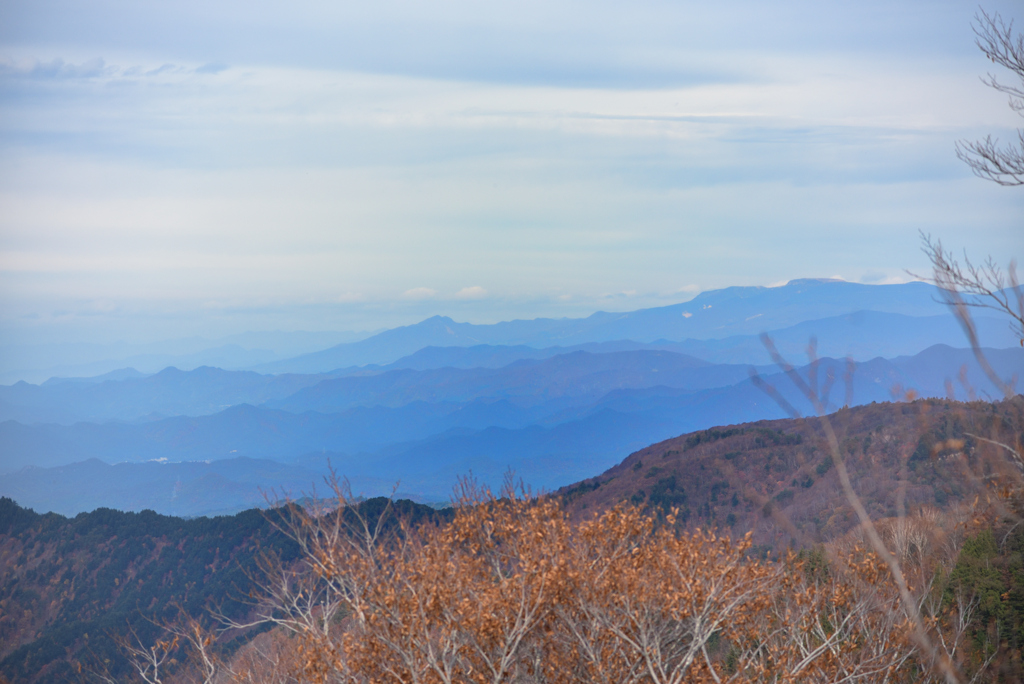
(987,159)
(983,286)
(910,606)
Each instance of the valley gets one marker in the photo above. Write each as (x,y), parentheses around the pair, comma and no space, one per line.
(213,441)
(135,500)
(69,586)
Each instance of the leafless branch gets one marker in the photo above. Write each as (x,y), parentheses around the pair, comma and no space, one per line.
(910,605)
(1002,165)
(983,286)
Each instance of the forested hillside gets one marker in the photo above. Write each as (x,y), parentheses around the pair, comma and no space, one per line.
(71,587)
(635,572)
(776,478)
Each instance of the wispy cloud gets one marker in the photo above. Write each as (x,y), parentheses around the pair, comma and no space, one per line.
(473,292)
(177,155)
(419,293)
(55,69)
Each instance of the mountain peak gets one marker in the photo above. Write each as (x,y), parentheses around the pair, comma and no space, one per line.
(796,282)
(435,320)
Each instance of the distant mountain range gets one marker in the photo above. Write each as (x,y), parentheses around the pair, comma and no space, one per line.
(128,395)
(38,362)
(135,396)
(850,319)
(557,400)
(444,423)
(715,314)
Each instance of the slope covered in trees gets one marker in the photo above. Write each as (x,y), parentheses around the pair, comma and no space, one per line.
(581,587)
(776,478)
(70,588)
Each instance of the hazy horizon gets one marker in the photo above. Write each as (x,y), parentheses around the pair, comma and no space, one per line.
(179,170)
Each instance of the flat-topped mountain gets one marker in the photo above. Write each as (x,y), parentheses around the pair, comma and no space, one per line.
(714,314)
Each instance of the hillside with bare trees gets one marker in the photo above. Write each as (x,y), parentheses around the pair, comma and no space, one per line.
(729,554)
(776,479)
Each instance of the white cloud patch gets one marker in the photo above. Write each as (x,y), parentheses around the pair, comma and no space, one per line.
(419,293)
(542,147)
(473,292)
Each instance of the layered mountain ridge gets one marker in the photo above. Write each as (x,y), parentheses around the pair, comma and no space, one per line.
(556,400)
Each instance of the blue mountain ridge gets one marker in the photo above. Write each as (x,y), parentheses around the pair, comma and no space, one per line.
(129,396)
(711,315)
(552,447)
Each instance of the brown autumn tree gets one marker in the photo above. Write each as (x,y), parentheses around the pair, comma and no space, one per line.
(511,591)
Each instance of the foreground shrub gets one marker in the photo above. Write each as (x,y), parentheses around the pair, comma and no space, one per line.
(511,591)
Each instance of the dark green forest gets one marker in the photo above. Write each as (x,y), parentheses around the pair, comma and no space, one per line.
(70,587)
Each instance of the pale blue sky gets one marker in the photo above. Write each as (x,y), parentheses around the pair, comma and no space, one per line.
(173,168)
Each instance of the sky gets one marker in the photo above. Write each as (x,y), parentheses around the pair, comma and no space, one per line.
(196,168)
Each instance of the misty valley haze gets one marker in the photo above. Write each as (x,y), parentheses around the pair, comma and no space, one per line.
(555,400)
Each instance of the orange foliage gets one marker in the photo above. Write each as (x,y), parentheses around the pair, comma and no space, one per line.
(511,591)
